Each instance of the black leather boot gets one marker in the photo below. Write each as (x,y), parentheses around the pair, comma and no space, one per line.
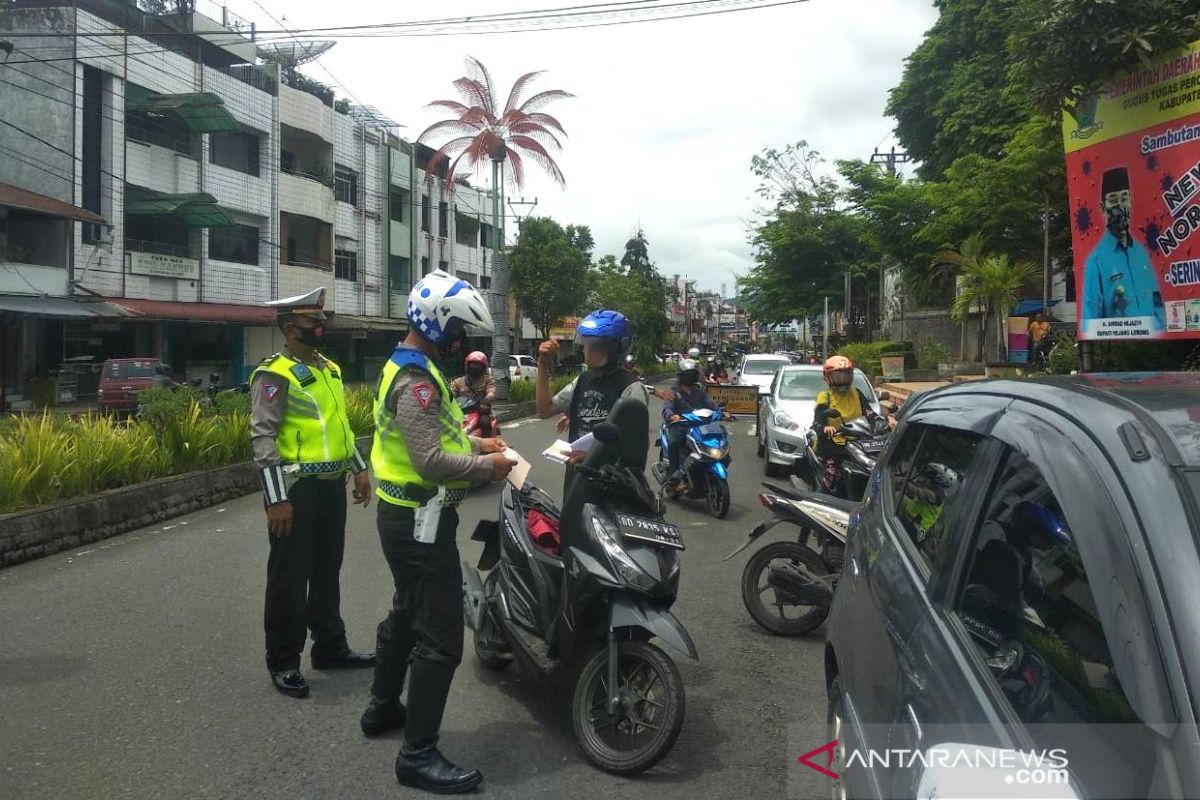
(427,769)
(382,716)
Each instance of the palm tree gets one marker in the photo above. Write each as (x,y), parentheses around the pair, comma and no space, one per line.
(989,281)
(483,129)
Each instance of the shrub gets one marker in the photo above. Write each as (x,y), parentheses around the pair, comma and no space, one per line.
(524,391)
(360,408)
(865,356)
(933,353)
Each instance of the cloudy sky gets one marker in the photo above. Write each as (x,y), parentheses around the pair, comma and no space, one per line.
(667,114)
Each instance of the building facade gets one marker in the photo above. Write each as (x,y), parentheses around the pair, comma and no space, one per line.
(159,182)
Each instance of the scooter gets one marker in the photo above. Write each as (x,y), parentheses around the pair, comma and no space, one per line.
(864,443)
(704,461)
(477,418)
(579,593)
(788,586)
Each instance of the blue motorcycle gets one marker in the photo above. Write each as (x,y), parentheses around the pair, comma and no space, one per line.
(704,460)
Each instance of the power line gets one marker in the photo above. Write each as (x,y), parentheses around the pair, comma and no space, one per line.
(600,15)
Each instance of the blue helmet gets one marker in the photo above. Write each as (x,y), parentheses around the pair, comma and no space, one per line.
(1042,526)
(612,326)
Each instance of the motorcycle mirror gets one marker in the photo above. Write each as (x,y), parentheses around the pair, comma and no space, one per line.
(606,433)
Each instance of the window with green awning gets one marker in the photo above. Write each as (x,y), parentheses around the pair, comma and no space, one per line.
(196,210)
(202,112)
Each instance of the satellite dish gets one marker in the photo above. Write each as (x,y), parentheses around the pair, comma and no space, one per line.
(295,52)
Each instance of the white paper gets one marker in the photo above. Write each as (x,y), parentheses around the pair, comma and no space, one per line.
(584,443)
(520,472)
(558,452)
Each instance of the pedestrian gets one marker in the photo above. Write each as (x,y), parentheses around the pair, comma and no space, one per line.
(605,337)
(424,463)
(1038,328)
(303,447)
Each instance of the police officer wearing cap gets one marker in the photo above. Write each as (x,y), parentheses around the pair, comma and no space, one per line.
(424,462)
(303,447)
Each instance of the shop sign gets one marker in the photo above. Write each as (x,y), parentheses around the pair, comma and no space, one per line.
(162,266)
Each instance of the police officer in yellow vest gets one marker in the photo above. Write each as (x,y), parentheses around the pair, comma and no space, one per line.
(424,462)
(303,447)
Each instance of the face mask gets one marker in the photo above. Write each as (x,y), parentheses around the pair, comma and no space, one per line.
(311,337)
(474,371)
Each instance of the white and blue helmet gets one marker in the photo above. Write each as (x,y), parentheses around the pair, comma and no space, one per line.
(439,299)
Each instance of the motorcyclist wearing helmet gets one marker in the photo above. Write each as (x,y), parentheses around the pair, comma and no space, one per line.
(687,395)
(605,337)
(424,461)
(477,384)
(925,495)
(837,405)
(631,365)
(717,372)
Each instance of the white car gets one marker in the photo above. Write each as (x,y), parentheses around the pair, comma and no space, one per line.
(758,369)
(785,415)
(522,368)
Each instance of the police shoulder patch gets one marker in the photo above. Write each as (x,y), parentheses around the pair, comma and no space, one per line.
(424,392)
(269,391)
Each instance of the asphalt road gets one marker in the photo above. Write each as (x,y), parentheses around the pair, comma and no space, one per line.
(134,668)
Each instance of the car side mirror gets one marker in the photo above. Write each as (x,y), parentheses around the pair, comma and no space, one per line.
(968,770)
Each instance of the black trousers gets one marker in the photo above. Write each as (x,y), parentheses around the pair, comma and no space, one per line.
(303,591)
(676,434)
(423,633)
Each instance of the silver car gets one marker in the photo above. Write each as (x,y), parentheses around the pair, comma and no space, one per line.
(785,415)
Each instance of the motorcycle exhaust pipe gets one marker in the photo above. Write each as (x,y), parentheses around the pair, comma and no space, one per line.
(799,587)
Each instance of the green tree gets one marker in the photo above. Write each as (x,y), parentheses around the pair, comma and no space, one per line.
(988,281)
(550,271)
(637,254)
(640,293)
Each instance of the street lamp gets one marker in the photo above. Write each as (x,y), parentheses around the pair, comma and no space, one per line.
(517,205)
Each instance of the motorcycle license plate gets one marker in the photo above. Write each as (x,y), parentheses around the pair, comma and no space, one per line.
(649,530)
(873,445)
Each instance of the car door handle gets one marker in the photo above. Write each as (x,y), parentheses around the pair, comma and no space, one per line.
(916,723)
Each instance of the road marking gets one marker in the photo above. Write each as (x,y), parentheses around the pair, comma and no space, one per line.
(753,431)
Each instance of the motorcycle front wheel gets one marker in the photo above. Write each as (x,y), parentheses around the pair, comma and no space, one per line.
(717,497)
(650,715)
(771,607)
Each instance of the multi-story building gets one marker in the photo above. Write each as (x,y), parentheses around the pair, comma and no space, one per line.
(159,182)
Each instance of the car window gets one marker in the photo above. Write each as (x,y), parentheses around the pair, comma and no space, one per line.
(802,384)
(123,370)
(1027,604)
(863,385)
(763,366)
(933,481)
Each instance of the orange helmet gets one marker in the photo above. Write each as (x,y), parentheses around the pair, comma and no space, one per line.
(477,357)
(836,364)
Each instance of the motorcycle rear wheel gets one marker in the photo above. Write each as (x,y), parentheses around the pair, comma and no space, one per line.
(652,709)
(754,586)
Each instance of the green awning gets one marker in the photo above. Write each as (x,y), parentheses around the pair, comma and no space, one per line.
(202,112)
(197,210)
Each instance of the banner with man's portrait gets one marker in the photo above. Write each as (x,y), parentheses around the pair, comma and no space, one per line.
(1133,168)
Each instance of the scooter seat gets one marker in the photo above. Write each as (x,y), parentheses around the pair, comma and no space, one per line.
(792,493)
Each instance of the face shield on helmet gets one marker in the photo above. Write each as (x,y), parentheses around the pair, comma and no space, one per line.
(688,372)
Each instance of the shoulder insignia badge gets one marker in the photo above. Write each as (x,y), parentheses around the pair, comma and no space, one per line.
(424,393)
(269,391)
(303,374)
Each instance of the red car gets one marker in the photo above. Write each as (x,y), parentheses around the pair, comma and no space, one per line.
(121,379)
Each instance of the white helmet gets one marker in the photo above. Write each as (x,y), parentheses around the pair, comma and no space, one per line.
(439,299)
(694,352)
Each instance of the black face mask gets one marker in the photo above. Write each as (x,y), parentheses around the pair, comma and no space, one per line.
(455,336)
(311,337)
(474,371)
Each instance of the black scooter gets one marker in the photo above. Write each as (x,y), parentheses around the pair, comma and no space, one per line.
(590,613)
(788,586)
(864,442)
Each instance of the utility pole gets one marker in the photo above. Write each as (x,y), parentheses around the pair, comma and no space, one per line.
(825,332)
(888,161)
(518,205)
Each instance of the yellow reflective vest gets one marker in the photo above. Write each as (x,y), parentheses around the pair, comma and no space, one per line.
(316,430)
(399,482)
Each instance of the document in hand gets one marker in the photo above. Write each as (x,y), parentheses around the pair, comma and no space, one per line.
(559,452)
(584,443)
(520,472)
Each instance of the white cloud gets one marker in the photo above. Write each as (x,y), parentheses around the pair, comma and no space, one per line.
(667,114)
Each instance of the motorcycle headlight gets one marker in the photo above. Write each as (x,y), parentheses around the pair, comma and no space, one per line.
(782,420)
(716,453)
(626,567)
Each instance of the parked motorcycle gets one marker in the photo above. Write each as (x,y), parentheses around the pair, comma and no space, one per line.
(864,443)
(704,460)
(477,418)
(788,586)
(579,594)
